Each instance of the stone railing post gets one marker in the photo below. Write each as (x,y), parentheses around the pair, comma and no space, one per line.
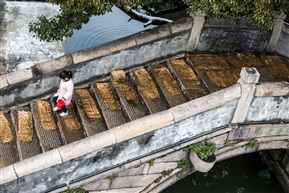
(198,23)
(248,80)
(279,22)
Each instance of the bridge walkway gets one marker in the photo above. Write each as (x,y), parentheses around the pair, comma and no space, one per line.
(125,95)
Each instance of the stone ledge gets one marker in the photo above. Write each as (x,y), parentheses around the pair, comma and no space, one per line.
(143,125)
(37,163)
(272,89)
(7,174)
(181,25)
(205,103)
(87,145)
(152,34)
(54,64)
(19,76)
(3,81)
(103,49)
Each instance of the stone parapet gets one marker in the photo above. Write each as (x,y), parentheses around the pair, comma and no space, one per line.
(271,89)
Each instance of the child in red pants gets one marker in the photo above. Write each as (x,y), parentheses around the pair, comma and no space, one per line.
(64,93)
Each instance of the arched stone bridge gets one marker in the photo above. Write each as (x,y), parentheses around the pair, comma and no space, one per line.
(142,98)
(189,100)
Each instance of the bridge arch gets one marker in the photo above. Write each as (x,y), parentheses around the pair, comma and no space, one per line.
(227,152)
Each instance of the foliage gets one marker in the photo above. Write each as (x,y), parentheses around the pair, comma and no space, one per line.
(112,177)
(78,190)
(230,143)
(166,172)
(204,150)
(75,12)
(253,143)
(260,12)
(151,162)
(184,163)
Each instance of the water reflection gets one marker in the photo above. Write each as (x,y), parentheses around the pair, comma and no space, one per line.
(235,175)
(101,29)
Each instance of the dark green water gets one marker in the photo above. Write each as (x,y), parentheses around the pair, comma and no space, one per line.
(235,175)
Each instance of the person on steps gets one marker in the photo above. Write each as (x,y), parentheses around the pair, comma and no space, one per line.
(64,94)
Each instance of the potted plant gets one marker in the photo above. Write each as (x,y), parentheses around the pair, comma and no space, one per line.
(202,155)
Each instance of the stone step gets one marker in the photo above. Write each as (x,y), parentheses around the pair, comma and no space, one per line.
(8,146)
(129,98)
(148,90)
(109,104)
(69,126)
(168,85)
(45,125)
(27,141)
(189,82)
(91,117)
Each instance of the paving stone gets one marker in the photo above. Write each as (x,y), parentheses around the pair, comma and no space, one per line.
(146,169)
(124,190)
(133,171)
(159,167)
(133,181)
(102,184)
(174,157)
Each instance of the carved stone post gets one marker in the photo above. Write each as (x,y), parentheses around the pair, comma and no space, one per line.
(198,23)
(248,80)
(279,22)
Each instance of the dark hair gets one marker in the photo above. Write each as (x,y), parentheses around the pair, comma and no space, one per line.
(65,74)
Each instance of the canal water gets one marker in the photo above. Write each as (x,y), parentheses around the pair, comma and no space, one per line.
(235,175)
(104,28)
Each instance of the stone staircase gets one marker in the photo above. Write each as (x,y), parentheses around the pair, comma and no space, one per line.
(124,95)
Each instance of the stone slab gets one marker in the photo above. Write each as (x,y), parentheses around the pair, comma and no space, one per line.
(37,163)
(272,89)
(133,181)
(87,145)
(3,81)
(7,174)
(205,103)
(101,184)
(173,157)
(122,190)
(142,126)
(157,168)
(19,76)
(54,64)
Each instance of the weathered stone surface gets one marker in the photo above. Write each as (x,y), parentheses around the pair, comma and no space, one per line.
(43,161)
(54,64)
(86,145)
(104,49)
(19,76)
(142,126)
(181,25)
(159,167)
(102,184)
(3,81)
(133,171)
(173,157)
(7,174)
(202,104)
(122,190)
(133,181)
(152,34)
(268,89)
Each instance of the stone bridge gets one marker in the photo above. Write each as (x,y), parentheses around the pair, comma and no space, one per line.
(138,101)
